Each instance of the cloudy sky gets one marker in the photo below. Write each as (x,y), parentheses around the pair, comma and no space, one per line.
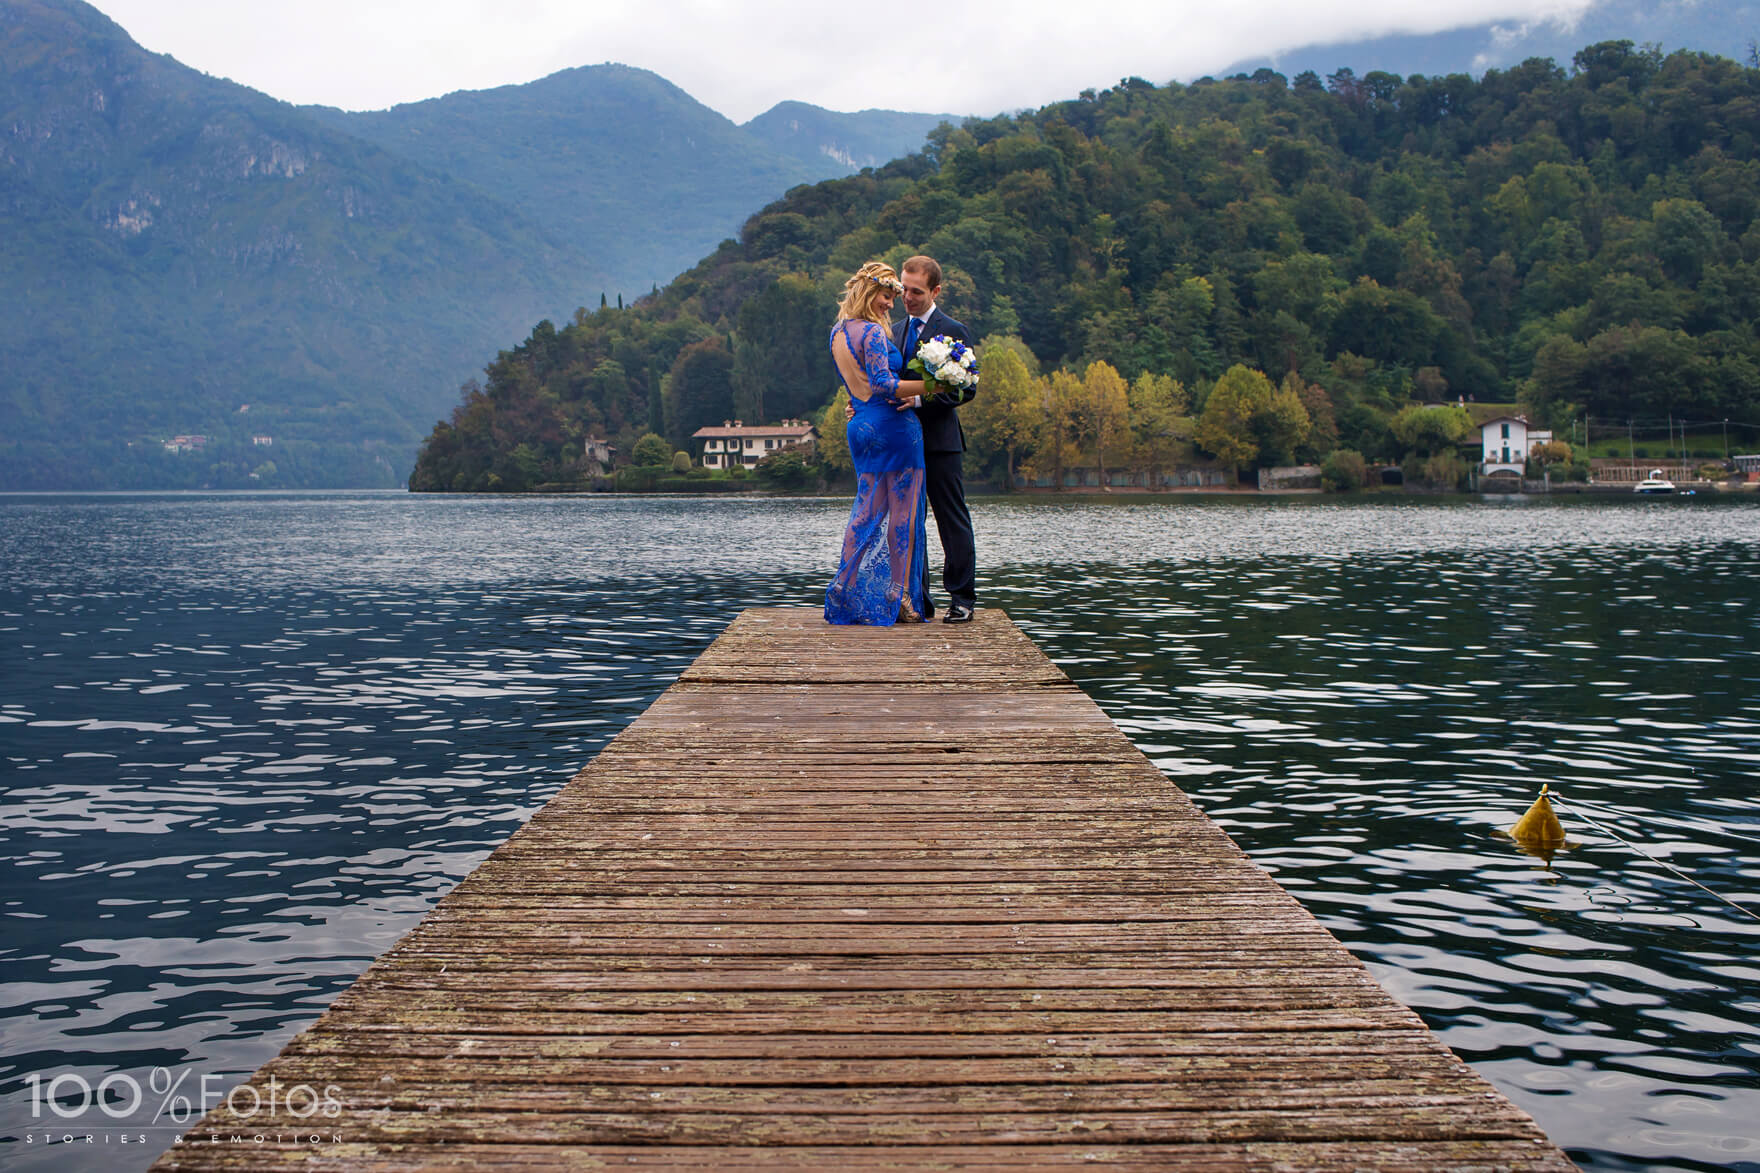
(742,56)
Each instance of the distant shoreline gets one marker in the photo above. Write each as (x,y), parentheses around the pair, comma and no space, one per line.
(1243,492)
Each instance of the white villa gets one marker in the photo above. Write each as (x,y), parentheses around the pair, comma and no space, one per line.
(734,443)
(1507,441)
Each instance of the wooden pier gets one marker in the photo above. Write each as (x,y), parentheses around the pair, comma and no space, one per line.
(869,898)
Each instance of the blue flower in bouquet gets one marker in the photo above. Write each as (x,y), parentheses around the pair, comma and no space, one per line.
(949,368)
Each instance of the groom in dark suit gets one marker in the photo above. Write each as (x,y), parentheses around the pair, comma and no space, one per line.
(944,441)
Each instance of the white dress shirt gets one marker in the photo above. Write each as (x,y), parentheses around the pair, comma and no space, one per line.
(922,325)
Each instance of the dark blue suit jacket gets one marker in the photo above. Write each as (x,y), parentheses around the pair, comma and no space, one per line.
(941,429)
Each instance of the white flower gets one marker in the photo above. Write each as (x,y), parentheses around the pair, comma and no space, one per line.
(939,364)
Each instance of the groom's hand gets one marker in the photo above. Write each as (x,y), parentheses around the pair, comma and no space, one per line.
(910,404)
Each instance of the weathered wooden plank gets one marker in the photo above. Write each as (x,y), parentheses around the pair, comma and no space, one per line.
(876,898)
(443,1013)
(1343,990)
(889,1058)
(1394,1156)
(1430,1117)
(861,973)
(396,1091)
(417,1059)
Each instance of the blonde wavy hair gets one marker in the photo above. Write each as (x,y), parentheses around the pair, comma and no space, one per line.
(862,290)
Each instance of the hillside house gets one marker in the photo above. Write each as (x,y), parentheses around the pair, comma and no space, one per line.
(734,443)
(598,454)
(1505,443)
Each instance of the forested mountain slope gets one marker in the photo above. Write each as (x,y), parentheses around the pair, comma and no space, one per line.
(1583,239)
(303,289)
(177,247)
(624,164)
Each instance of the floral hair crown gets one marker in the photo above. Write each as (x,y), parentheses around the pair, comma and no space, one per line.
(892,283)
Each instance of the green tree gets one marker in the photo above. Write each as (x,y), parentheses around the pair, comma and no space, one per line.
(1158,404)
(651,451)
(1054,445)
(834,436)
(523,468)
(784,469)
(780,362)
(1344,471)
(1182,310)
(1005,417)
(1429,430)
(1322,434)
(1283,426)
(1102,412)
(1554,389)
(1441,470)
(1686,239)
(1551,452)
(1248,421)
(698,390)
(1225,427)
(1388,325)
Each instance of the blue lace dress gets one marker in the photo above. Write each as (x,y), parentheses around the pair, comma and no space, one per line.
(883,547)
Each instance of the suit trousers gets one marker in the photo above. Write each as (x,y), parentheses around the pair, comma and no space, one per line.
(953,522)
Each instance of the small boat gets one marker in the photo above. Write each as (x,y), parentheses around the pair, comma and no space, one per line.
(1655,483)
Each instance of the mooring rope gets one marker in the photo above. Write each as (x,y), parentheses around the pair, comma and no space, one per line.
(1653,820)
(1611,833)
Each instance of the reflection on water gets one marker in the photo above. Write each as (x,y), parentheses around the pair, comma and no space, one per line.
(250,739)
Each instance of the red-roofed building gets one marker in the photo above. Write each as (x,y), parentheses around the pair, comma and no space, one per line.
(734,443)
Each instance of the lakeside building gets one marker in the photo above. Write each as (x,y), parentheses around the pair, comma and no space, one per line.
(186,443)
(735,443)
(599,455)
(1505,442)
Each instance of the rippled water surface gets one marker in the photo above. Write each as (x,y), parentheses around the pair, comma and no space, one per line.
(248,740)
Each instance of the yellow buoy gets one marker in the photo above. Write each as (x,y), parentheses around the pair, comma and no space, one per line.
(1539,827)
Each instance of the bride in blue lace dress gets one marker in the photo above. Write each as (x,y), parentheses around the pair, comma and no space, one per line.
(880,575)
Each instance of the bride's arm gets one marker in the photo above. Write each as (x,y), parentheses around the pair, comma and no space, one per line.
(876,350)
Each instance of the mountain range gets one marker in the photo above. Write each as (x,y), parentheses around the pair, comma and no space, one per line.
(297,292)
(1310,269)
(208,286)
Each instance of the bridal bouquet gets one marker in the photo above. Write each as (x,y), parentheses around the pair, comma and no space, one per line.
(949,368)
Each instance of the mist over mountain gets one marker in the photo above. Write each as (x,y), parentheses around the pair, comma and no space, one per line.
(854,141)
(297,292)
(1728,28)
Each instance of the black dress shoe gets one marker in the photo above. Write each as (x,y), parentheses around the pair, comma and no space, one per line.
(957,613)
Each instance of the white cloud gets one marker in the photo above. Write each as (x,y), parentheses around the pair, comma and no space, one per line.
(977,56)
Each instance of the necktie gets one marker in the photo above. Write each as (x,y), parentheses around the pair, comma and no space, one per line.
(910,340)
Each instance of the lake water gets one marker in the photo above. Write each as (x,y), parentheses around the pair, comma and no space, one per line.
(249,739)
